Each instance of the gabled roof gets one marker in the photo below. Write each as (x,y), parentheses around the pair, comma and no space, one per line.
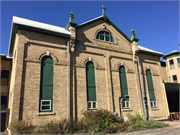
(143,49)
(18,22)
(106,19)
(39,25)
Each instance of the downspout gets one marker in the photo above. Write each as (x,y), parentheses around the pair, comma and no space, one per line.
(121,112)
(68,80)
(141,87)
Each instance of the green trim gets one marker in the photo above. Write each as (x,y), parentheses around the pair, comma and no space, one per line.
(123,83)
(46,81)
(105,18)
(145,98)
(150,85)
(171,55)
(133,36)
(15,28)
(71,21)
(90,81)
(150,53)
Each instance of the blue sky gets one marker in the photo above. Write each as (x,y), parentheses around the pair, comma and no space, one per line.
(156,23)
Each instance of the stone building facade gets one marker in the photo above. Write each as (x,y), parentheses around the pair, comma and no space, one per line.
(102,66)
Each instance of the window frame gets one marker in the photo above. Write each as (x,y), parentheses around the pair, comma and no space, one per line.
(178,61)
(45,105)
(152,105)
(171,65)
(4,77)
(91,105)
(125,103)
(174,81)
(98,36)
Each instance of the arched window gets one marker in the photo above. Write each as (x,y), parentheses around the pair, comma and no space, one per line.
(91,86)
(4,77)
(151,88)
(103,35)
(124,87)
(46,84)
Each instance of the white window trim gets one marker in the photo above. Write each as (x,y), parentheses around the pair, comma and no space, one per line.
(153,104)
(92,104)
(45,105)
(126,104)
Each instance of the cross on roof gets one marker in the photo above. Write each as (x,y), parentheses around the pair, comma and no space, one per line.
(103,9)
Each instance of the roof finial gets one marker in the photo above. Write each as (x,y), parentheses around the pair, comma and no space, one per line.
(133,37)
(71,21)
(103,9)
(71,18)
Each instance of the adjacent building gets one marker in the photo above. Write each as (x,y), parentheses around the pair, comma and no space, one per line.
(173,66)
(6,68)
(172,83)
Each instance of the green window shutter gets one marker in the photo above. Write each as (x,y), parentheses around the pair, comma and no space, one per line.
(46,84)
(90,81)
(123,82)
(150,85)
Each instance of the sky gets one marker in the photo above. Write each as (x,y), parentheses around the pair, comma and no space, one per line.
(156,23)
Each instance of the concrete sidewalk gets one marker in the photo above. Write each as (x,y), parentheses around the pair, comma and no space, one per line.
(173,129)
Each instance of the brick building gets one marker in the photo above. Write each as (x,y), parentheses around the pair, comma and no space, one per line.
(102,64)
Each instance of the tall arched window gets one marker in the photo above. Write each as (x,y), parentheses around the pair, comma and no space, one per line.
(103,35)
(4,77)
(91,86)
(124,87)
(151,88)
(46,84)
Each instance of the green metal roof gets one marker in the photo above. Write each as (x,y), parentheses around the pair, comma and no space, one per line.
(105,19)
(171,55)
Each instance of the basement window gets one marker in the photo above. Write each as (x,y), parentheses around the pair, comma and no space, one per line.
(126,104)
(92,105)
(45,105)
(153,104)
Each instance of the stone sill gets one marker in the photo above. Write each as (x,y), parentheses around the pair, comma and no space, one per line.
(106,41)
(127,110)
(45,113)
(154,109)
